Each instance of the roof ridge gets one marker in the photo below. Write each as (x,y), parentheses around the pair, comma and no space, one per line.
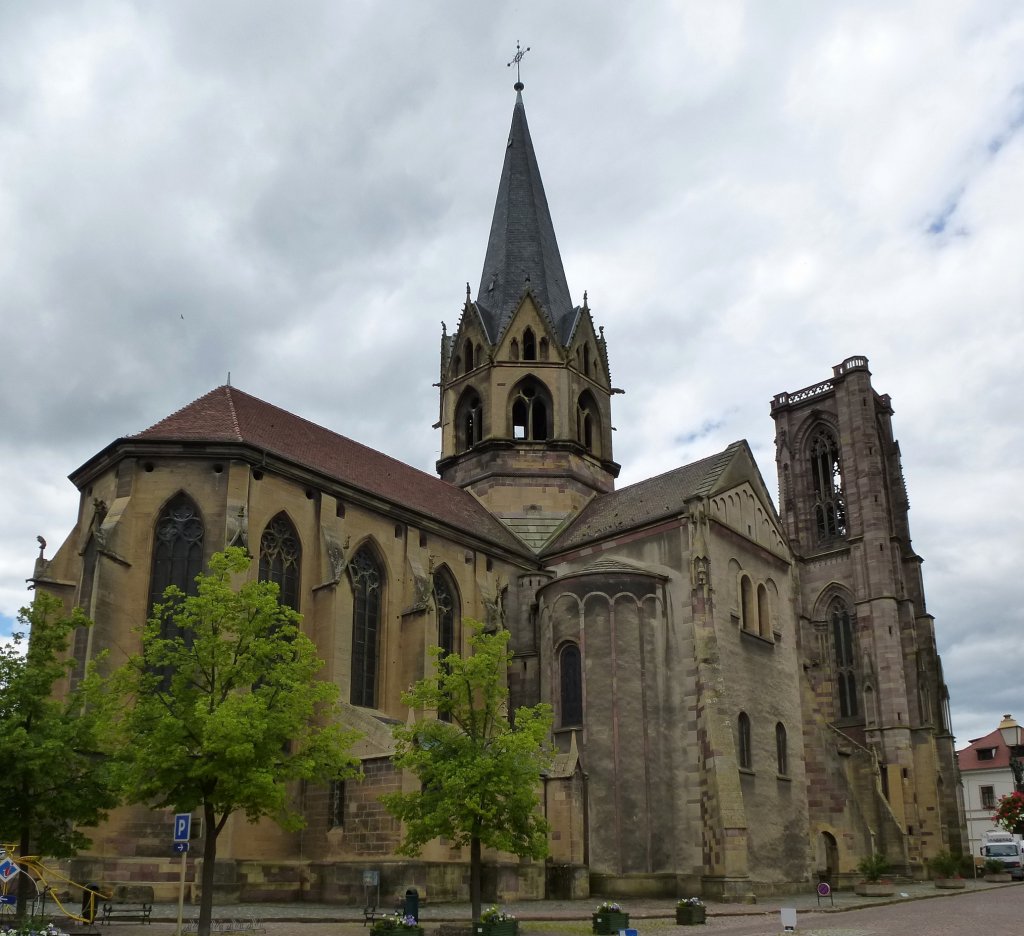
(664,474)
(177,412)
(234,413)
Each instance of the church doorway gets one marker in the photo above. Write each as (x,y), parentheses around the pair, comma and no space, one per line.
(828,858)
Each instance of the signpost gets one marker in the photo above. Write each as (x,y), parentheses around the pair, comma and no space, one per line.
(182,826)
(182,831)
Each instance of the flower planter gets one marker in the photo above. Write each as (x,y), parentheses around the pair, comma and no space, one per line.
(690,916)
(609,922)
(950,883)
(1000,877)
(874,889)
(498,928)
(397,931)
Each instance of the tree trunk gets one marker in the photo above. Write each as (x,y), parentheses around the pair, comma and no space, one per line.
(210,831)
(474,876)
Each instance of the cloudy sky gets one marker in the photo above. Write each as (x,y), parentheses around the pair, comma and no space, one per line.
(298,193)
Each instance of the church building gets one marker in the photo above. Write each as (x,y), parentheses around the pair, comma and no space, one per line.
(745,697)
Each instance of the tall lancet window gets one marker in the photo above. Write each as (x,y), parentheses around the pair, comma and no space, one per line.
(469,420)
(827,478)
(367,579)
(177,549)
(845,656)
(280,559)
(446,602)
(177,560)
(588,426)
(570,677)
(529,345)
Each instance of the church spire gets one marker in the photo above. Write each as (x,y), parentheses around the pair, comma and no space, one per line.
(522,252)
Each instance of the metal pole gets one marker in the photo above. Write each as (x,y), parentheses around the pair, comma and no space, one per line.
(181,890)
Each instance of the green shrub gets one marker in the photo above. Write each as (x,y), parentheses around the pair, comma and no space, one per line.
(873,866)
(945,864)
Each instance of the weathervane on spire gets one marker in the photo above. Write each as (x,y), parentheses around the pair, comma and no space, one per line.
(515,61)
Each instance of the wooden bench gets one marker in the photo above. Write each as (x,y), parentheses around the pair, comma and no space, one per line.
(116,911)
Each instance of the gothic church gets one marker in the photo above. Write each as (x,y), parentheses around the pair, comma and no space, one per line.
(745,698)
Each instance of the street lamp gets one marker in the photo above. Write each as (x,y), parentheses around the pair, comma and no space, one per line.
(1011,734)
(1010,731)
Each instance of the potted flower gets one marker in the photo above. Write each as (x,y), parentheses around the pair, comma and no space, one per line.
(396,924)
(689,910)
(496,922)
(609,918)
(995,871)
(872,867)
(945,867)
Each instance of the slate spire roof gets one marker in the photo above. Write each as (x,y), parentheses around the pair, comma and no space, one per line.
(522,252)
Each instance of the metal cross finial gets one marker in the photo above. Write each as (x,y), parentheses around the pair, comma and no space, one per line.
(517,58)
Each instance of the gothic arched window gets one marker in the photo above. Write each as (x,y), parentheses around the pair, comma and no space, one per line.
(781,749)
(845,658)
(747,610)
(570,679)
(367,579)
(743,737)
(764,625)
(529,345)
(588,424)
(530,407)
(468,354)
(513,349)
(177,550)
(827,479)
(446,601)
(469,420)
(586,359)
(281,558)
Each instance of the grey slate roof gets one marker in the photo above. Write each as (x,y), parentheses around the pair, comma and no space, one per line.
(522,252)
(643,503)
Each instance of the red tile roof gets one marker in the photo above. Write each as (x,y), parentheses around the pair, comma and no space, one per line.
(227,414)
(969,760)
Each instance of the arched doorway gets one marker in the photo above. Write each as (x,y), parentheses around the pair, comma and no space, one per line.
(828,858)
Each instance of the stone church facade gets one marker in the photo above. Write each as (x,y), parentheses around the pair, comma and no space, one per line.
(745,698)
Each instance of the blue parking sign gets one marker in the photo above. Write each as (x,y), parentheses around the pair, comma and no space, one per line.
(182,826)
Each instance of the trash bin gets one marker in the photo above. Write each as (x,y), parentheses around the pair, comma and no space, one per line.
(90,894)
(412,904)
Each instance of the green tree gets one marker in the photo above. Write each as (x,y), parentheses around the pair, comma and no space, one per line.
(223,709)
(479,772)
(53,778)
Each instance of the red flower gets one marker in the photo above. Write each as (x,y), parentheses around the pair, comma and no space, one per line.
(1010,811)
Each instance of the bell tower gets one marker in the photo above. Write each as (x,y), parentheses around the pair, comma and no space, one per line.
(525,385)
(868,639)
